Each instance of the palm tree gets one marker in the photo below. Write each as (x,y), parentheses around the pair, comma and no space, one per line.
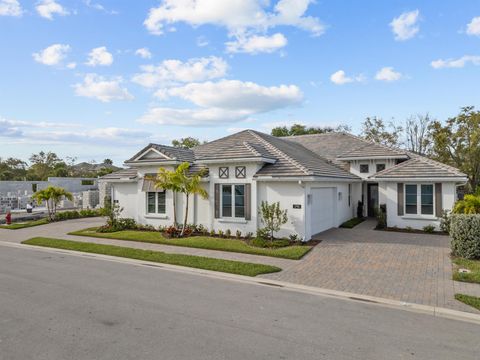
(190,184)
(168,180)
(51,196)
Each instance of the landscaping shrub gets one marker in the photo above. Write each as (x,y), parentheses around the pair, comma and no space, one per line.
(278,243)
(263,233)
(264,243)
(469,205)
(126,224)
(465,233)
(429,229)
(173,231)
(228,233)
(238,234)
(445,221)
(221,233)
(381,217)
(90,212)
(294,237)
(259,242)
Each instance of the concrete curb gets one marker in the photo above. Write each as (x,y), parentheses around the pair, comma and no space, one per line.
(394,304)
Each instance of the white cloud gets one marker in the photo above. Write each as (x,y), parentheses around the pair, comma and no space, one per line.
(72,65)
(406,25)
(144,53)
(256,44)
(99,56)
(99,7)
(340,78)
(202,41)
(52,55)
(473,27)
(109,134)
(100,88)
(10,8)
(225,101)
(388,74)
(236,95)
(456,63)
(176,71)
(235,15)
(47,8)
(187,117)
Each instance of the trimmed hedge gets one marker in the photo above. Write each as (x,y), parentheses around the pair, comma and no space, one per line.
(465,233)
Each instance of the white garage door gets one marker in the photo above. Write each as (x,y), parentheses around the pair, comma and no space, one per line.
(322,209)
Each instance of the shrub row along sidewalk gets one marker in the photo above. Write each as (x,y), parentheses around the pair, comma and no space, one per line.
(199,262)
(294,252)
(61,216)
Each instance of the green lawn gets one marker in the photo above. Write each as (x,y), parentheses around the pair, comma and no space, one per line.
(469,300)
(199,262)
(22,225)
(202,242)
(350,224)
(472,265)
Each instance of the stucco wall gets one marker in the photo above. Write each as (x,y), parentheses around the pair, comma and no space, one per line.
(372,165)
(388,196)
(288,194)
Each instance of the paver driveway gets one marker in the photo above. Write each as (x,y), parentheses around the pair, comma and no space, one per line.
(413,268)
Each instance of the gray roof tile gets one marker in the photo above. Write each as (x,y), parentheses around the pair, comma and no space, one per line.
(121,174)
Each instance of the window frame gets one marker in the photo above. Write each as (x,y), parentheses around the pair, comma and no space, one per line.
(419,203)
(233,206)
(156,203)
(360,168)
(380,164)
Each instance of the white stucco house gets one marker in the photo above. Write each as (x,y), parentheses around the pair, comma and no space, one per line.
(319,179)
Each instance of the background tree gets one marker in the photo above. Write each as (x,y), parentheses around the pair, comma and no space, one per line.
(374,129)
(417,133)
(186,143)
(273,217)
(43,165)
(298,129)
(13,169)
(108,162)
(51,196)
(457,143)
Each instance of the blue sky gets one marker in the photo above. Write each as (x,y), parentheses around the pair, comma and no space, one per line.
(97,79)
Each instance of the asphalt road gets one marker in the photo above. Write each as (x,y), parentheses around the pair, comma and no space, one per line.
(56,306)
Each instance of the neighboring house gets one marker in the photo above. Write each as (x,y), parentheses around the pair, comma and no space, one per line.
(319,179)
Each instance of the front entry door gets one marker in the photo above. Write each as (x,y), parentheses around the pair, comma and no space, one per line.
(372,196)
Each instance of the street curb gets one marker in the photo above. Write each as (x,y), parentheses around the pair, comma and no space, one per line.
(366,299)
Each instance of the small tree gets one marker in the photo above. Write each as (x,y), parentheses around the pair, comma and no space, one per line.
(273,217)
(169,180)
(52,196)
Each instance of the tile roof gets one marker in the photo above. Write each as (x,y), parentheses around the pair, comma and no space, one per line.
(321,155)
(419,167)
(290,159)
(121,174)
(337,145)
(237,146)
(174,153)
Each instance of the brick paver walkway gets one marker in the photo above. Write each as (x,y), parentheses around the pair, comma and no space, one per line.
(414,268)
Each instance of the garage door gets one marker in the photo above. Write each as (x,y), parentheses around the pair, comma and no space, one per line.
(322,209)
